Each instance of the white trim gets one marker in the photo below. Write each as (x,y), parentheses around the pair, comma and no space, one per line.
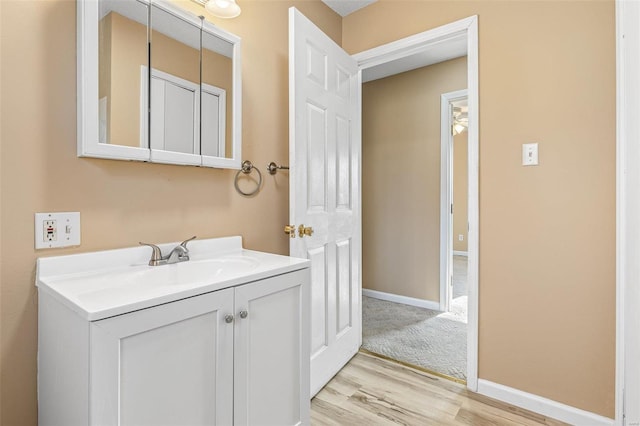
(468,28)
(413,44)
(473,239)
(544,406)
(222,115)
(144,107)
(461,253)
(405,300)
(446,194)
(627,410)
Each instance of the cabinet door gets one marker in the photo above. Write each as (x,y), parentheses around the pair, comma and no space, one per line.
(272,351)
(167,365)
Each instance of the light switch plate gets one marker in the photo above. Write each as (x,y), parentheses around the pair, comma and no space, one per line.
(55,230)
(530,154)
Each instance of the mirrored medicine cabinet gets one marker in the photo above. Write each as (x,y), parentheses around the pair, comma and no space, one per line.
(157,83)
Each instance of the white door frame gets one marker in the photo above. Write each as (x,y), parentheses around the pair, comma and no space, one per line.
(627,213)
(446,194)
(467,28)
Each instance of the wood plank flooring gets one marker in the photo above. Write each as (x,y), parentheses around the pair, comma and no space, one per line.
(373,391)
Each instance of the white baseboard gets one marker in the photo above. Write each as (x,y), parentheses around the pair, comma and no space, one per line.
(461,253)
(540,405)
(421,303)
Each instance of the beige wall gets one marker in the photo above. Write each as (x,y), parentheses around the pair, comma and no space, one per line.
(401,179)
(126,54)
(121,202)
(547,233)
(460,192)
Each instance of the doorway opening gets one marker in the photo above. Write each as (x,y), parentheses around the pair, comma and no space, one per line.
(407,275)
(438,46)
(454,194)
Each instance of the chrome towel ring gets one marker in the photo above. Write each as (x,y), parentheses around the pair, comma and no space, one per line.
(246,169)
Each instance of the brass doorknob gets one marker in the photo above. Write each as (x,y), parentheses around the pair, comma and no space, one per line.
(305,230)
(290,230)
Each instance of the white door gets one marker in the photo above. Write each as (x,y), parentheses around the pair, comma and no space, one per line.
(271,370)
(324,152)
(167,365)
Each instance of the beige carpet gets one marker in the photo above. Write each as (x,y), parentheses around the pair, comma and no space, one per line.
(430,339)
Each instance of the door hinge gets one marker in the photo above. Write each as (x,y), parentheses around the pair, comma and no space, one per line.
(451,208)
(624,407)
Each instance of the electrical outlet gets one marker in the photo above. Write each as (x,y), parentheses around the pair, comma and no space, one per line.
(460,237)
(49,230)
(53,230)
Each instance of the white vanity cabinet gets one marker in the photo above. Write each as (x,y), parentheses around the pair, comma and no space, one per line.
(234,356)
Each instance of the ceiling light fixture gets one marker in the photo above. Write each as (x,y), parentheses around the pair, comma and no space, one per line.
(221,8)
(460,120)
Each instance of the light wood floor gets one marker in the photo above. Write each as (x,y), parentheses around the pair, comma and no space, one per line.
(373,391)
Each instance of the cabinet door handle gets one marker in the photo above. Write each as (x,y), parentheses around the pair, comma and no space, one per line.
(228,319)
(243,314)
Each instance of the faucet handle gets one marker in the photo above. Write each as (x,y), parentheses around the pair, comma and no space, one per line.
(184,243)
(156,255)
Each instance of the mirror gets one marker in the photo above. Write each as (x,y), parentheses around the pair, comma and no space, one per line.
(157,84)
(122,50)
(217,87)
(221,95)
(174,119)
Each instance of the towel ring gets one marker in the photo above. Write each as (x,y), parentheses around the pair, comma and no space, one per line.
(246,168)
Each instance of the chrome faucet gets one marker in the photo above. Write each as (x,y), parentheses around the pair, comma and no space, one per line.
(180,253)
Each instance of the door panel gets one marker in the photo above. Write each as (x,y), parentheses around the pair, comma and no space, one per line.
(344,287)
(167,365)
(319,299)
(145,363)
(179,105)
(343,167)
(210,134)
(325,190)
(271,384)
(316,158)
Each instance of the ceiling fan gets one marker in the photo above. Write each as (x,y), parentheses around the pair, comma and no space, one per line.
(460,119)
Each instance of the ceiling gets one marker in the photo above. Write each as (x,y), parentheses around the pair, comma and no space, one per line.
(438,52)
(345,7)
(451,48)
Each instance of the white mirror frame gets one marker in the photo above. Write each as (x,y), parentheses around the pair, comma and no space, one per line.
(87,15)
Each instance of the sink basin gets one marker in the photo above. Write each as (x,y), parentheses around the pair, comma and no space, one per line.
(102,284)
(194,271)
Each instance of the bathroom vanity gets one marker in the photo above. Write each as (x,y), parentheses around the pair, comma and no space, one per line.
(221,339)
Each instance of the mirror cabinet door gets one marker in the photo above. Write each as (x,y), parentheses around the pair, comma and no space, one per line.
(217,79)
(174,123)
(112,44)
(156,83)
(220,96)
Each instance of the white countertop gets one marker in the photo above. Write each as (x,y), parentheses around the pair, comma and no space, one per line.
(103,284)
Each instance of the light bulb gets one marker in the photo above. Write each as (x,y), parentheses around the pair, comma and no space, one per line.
(223,8)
